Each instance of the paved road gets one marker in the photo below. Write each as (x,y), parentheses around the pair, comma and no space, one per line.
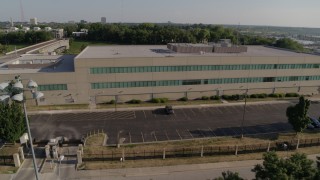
(154,125)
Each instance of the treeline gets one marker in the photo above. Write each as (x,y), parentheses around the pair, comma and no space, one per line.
(21,37)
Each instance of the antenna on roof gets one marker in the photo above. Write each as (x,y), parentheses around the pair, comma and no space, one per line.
(21,12)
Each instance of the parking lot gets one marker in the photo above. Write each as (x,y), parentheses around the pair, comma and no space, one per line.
(155,125)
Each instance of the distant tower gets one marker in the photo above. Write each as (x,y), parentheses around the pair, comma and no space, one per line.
(103,20)
(21,12)
(34,21)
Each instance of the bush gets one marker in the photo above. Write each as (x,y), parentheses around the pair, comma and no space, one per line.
(253,96)
(292,95)
(205,98)
(281,95)
(112,101)
(215,97)
(134,101)
(183,99)
(275,95)
(226,97)
(262,95)
(164,100)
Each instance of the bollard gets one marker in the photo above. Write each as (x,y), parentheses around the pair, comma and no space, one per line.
(298,143)
(236,153)
(79,157)
(123,159)
(268,149)
(164,153)
(47,149)
(21,154)
(16,160)
(81,148)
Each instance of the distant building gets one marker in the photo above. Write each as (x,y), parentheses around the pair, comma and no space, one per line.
(25,29)
(47,28)
(14,29)
(34,21)
(103,20)
(83,21)
(36,28)
(83,32)
(71,22)
(57,33)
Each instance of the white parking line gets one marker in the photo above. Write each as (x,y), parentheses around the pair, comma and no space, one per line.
(155,137)
(178,134)
(144,114)
(167,135)
(212,132)
(190,133)
(142,137)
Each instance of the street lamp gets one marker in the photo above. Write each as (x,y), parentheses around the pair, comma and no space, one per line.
(244,111)
(15,93)
(116,100)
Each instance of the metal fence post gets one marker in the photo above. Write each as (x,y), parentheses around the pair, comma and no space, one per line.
(298,142)
(236,153)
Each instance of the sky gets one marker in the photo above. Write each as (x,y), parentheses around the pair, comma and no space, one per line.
(292,13)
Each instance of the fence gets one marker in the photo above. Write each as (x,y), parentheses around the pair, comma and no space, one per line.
(6,160)
(130,154)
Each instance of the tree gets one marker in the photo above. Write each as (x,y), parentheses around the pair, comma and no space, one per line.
(12,122)
(289,44)
(297,115)
(229,176)
(295,167)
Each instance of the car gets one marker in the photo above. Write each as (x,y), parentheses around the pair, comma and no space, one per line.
(169,109)
(314,122)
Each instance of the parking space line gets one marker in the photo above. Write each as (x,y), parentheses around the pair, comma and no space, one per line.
(212,131)
(200,131)
(178,134)
(184,113)
(130,137)
(190,133)
(167,135)
(144,114)
(192,112)
(155,137)
(142,137)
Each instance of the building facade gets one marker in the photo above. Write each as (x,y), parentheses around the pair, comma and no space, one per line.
(102,73)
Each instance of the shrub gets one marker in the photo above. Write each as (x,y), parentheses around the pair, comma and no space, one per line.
(134,101)
(226,97)
(253,96)
(292,95)
(164,100)
(112,101)
(215,97)
(262,95)
(155,100)
(281,95)
(183,99)
(274,95)
(205,98)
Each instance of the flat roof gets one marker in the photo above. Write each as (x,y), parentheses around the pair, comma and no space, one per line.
(66,64)
(127,51)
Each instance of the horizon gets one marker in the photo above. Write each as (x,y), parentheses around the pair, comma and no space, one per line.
(295,14)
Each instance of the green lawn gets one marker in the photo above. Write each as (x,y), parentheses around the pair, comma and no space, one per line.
(12,47)
(75,46)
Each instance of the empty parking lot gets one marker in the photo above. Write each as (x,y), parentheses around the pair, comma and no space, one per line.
(155,125)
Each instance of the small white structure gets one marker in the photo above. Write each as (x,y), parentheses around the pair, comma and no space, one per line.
(25,29)
(34,21)
(36,28)
(47,28)
(14,29)
(24,138)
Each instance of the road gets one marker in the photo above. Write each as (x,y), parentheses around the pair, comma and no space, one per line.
(154,125)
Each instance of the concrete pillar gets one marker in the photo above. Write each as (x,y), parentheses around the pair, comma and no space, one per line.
(81,148)
(236,153)
(268,149)
(21,154)
(16,160)
(79,157)
(123,157)
(164,153)
(298,143)
(47,149)
(201,151)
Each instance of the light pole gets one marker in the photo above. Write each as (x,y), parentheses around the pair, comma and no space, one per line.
(15,92)
(116,97)
(244,111)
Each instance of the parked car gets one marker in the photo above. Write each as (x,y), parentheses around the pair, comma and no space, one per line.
(169,109)
(314,122)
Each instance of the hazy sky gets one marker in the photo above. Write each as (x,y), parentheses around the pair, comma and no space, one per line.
(297,13)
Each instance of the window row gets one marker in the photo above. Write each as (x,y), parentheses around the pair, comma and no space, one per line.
(142,69)
(105,85)
(52,87)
